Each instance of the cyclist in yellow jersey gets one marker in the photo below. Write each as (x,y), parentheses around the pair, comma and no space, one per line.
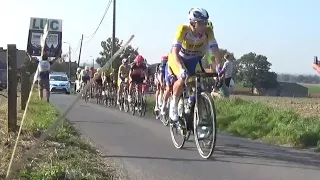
(98,80)
(107,75)
(191,42)
(123,76)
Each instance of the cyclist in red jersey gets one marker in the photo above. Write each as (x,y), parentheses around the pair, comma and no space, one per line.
(137,74)
(91,72)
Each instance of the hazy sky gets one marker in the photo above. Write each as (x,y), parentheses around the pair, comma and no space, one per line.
(282,30)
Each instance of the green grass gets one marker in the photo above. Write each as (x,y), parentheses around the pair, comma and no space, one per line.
(313,88)
(255,120)
(65,154)
(239,85)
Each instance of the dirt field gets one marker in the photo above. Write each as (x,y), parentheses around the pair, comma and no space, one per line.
(305,106)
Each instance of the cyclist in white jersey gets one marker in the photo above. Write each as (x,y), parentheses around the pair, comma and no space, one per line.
(85,76)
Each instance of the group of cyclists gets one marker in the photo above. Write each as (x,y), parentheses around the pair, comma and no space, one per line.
(176,71)
(134,73)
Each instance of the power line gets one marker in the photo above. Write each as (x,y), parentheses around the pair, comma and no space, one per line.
(105,12)
(78,46)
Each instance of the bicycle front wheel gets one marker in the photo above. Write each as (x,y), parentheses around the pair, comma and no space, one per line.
(204,125)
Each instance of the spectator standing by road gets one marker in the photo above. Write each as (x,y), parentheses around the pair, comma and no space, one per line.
(228,69)
(43,73)
(224,81)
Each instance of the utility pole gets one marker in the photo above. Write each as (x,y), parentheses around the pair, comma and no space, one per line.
(69,61)
(80,50)
(113,30)
(315,60)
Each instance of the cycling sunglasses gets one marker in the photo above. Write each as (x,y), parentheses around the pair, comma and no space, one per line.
(202,23)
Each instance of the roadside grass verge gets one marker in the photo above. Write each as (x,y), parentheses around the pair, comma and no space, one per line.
(254,120)
(64,155)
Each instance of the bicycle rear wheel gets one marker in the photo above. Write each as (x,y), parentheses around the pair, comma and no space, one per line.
(125,105)
(133,106)
(204,125)
(97,97)
(165,118)
(85,96)
(180,129)
(143,106)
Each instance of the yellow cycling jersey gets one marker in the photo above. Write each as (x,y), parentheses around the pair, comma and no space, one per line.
(108,72)
(96,74)
(192,46)
(124,71)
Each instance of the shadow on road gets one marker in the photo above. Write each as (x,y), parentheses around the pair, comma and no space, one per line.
(233,153)
(101,122)
(270,153)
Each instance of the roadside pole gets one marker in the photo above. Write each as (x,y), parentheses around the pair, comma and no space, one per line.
(12,87)
(25,86)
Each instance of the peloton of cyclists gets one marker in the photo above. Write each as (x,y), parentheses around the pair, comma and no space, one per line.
(137,74)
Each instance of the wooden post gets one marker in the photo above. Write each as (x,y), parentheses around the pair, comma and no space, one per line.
(24,87)
(12,87)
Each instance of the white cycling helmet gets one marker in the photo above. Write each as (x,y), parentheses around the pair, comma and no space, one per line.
(198,14)
(124,61)
(78,69)
(86,68)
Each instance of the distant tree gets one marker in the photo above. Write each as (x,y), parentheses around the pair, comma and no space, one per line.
(129,53)
(254,70)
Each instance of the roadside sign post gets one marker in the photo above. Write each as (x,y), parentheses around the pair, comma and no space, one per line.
(25,87)
(53,44)
(12,87)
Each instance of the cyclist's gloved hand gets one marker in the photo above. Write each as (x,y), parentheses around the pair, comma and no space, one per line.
(220,71)
(122,78)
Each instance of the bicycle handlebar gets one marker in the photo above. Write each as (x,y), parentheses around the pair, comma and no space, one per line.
(206,74)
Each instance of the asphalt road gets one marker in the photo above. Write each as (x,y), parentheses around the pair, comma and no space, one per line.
(142,147)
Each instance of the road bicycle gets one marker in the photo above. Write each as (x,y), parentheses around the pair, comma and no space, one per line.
(138,102)
(85,93)
(201,120)
(159,104)
(110,95)
(99,96)
(164,118)
(123,101)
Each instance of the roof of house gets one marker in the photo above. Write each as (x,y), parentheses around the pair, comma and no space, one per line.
(21,56)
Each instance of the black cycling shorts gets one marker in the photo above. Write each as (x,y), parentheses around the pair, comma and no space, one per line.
(108,79)
(85,79)
(99,81)
(137,79)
